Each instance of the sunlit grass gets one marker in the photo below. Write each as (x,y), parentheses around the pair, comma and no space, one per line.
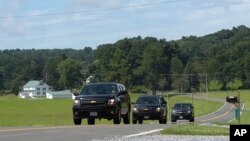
(194,129)
(43,112)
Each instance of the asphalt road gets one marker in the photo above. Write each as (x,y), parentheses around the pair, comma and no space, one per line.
(78,133)
(102,132)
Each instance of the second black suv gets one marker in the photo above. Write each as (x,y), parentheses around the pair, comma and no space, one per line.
(182,111)
(102,100)
(150,107)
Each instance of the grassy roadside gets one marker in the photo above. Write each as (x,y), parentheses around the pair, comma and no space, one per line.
(44,112)
(194,129)
(244,96)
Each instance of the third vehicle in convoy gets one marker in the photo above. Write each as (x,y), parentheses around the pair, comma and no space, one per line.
(102,100)
(150,107)
(182,111)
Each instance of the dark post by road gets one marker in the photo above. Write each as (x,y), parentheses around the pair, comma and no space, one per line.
(239,105)
(192,92)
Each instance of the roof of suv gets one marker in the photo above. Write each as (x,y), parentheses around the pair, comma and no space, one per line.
(98,83)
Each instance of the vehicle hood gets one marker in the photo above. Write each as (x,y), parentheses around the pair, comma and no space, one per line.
(182,110)
(102,96)
(147,105)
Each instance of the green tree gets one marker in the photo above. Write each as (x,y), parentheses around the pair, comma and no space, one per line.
(153,64)
(1,82)
(70,73)
(51,74)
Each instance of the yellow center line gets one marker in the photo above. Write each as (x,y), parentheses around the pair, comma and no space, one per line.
(45,128)
(220,115)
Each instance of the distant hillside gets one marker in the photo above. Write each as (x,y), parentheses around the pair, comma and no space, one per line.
(139,63)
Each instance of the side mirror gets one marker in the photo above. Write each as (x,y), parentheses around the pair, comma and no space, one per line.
(123,93)
(76,94)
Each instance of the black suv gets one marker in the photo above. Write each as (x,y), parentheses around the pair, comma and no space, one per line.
(182,111)
(150,108)
(102,100)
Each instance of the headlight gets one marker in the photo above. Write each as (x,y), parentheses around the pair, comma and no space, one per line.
(174,111)
(189,112)
(111,102)
(135,109)
(158,109)
(77,102)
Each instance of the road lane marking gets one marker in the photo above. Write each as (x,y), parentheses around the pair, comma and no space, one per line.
(46,128)
(219,115)
(143,133)
(34,128)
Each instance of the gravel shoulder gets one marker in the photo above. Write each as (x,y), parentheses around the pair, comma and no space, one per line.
(169,138)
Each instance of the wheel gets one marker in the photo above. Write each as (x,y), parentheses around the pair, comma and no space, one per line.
(163,120)
(134,121)
(191,120)
(173,120)
(77,121)
(140,121)
(91,121)
(126,118)
(117,119)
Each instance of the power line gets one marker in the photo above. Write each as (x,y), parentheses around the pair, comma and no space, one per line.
(96,10)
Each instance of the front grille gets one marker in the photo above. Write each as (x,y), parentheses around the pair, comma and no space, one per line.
(97,103)
(146,109)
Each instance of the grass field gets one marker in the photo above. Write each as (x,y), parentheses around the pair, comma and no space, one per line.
(194,129)
(244,96)
(44,112)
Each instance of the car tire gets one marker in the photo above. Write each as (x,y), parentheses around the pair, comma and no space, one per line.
(134,121)
(126,118)
(117,118)
(140,121)
(191,120)
(163,120)
(77,121)
(173,120)
(91,121)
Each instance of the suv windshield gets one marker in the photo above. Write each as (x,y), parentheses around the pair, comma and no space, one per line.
(183,106)
(99,89)
(148,100)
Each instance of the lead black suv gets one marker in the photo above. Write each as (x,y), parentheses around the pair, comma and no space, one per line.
(182,111)
(102,100)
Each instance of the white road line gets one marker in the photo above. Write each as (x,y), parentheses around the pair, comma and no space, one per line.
(143,133)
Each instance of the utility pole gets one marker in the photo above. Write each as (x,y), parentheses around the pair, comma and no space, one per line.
(206,87)
(192,91)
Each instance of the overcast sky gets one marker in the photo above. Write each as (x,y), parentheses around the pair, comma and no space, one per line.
(49,24)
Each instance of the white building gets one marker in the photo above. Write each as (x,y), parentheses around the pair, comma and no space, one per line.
(59,94)
(34,89)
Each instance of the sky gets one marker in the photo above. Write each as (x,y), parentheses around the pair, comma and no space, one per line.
(60,24)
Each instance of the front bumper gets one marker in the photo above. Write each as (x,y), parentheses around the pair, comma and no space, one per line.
(95,112)
(147,115)
(183,116)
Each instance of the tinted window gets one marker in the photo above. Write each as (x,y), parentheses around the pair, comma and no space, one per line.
(147,100)
(99,89)
(183,106)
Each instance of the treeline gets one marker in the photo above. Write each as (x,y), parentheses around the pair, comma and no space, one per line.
(60,69)
(222,59)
